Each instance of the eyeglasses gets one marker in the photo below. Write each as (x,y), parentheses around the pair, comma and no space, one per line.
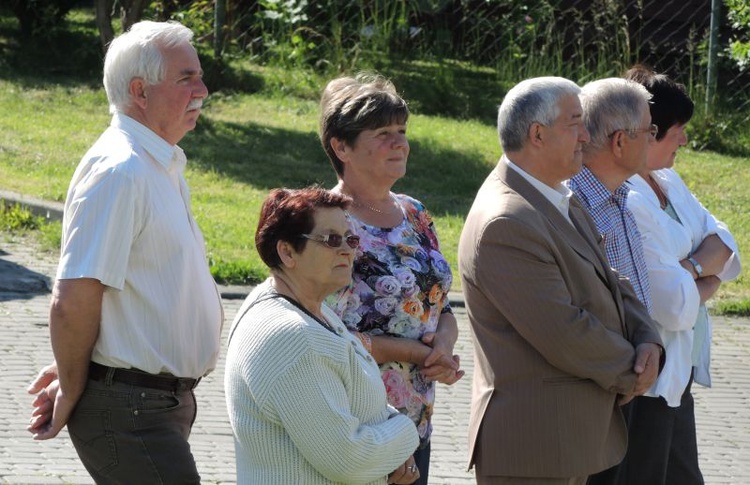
(653,130)
(334,241)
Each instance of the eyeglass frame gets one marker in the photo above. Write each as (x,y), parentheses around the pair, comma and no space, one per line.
(653,130)
(325,239)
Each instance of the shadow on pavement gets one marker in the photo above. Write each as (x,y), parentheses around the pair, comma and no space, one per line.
(20,283)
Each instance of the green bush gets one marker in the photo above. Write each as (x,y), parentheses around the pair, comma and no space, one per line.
(15,218)
(235,272)
(40,18)
(739,45)
(725,133)
(739,308)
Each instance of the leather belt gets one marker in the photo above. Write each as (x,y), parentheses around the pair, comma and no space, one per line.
(139,378)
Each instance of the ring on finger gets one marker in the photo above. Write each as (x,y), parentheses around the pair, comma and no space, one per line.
(412,468)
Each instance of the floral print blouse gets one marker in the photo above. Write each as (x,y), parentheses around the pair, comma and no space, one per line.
(399,287)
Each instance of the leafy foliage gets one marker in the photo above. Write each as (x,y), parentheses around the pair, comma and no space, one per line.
(738,308)
(739,18)
(40,18)
(15,218)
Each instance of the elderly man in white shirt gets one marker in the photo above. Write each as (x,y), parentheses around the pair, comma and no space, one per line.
(135,319)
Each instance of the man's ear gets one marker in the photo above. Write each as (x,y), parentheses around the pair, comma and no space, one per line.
(616,142)
(536,134)
(286,253)
(137,89)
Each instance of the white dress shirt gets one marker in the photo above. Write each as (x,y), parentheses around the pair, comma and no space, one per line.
(557,196)
(128,224)
(674,294)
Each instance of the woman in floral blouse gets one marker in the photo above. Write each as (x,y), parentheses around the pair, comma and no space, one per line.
(397,304)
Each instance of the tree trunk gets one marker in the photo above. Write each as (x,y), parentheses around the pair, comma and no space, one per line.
(104,22)
(131,12)
(220,18)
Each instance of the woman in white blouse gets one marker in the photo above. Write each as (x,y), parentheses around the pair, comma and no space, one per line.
(689,253)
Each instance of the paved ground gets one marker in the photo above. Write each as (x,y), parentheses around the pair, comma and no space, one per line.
(723,412)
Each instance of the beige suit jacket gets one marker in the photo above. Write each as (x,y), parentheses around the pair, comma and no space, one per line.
(554,332)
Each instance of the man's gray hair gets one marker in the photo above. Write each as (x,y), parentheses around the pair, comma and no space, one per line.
(610,105)
(138,53)
(534,100)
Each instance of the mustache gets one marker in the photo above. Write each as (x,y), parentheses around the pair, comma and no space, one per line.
(195,104)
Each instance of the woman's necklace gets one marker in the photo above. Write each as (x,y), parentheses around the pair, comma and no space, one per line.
(290,294)
(394,206)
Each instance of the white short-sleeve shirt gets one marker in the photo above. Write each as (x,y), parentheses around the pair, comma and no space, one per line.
(128,224)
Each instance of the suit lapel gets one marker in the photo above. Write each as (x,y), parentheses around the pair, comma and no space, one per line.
(581,220)
(583,232)
(578,235)
(580,239)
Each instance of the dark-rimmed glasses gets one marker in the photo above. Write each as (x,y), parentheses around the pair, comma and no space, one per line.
(334,241)
(652,130)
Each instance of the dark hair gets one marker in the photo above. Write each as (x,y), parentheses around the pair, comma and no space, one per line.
(670,104)
(350,105)
(287,213)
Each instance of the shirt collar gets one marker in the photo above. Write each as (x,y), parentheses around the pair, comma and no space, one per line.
(558,196)
(593,193)
(169,156)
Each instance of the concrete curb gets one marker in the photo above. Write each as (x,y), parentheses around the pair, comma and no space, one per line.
(49,210)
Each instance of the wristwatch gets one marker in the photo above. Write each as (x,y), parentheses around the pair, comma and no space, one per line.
(696,266)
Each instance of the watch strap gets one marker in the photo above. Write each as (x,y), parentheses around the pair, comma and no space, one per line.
(696,266)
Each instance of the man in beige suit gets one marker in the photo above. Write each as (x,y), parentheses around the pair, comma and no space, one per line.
(560,339)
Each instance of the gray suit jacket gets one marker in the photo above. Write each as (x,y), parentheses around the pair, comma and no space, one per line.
(555,331)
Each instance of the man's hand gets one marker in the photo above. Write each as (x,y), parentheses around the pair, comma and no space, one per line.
(45,386)
(646,366)
(43,379)
(51,408)
(60,407)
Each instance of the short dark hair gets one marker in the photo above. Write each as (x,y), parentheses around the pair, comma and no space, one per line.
(288,213)
(670,104)
(350,105)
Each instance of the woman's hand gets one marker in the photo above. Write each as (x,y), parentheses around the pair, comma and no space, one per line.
(406,473)
(440,365)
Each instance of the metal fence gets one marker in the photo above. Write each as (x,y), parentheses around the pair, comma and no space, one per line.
(579,39)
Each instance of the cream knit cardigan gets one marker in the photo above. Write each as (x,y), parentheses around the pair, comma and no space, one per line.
(308,406)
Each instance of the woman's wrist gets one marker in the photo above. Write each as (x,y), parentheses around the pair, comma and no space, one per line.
(688,266)
(366,340)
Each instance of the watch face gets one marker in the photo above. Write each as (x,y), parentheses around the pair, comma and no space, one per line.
(696,265)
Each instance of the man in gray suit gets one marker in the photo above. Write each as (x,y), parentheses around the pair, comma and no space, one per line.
(560,339)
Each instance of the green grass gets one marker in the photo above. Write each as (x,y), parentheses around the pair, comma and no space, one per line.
(720,183)
(44,131)
(248,143)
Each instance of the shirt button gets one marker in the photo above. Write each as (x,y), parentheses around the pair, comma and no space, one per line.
(143,394)
(135,412)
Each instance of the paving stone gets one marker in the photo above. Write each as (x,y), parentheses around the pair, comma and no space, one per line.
(722,413)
